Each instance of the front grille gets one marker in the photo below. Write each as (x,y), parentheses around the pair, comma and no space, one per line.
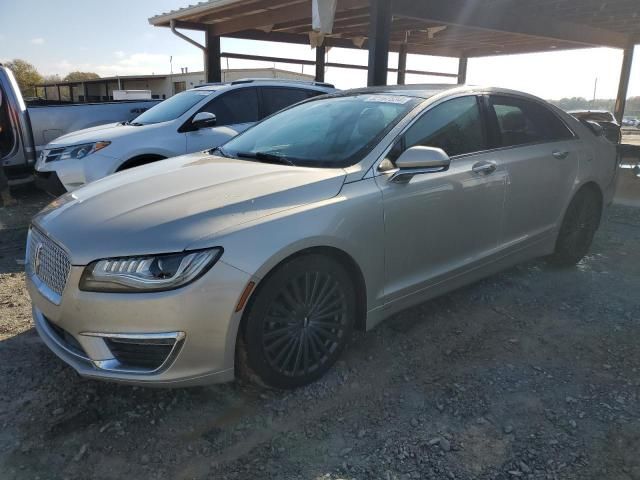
(53,154)
(147,355)
(48,261)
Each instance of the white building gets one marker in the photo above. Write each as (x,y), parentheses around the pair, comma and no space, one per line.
(161,86)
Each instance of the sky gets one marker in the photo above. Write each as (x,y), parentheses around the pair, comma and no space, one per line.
(115,38)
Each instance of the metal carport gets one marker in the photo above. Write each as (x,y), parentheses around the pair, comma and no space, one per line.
(453,28)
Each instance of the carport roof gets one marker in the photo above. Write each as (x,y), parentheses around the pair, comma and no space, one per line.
(469,28)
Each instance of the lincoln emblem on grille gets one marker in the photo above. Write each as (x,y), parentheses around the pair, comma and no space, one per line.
(36,258)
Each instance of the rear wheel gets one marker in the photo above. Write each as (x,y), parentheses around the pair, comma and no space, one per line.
(298,322)
(578,227)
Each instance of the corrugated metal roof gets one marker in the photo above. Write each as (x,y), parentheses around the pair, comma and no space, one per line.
(196,8)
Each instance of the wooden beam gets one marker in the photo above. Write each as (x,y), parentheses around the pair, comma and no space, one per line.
(284,37)
(290,12)
(402,64)
(462,70)
(623,86)
(321,52)
(212,64)
(379,30)
(262,19)
(475,14)
(190,25)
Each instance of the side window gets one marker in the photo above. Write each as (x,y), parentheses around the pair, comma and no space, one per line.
(521,122)
(236,106)
(275,99)
(454,126)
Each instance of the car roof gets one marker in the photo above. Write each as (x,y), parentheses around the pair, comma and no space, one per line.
(425,91)
(267,82)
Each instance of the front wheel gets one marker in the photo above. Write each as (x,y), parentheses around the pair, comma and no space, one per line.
(298,322)
(581,220)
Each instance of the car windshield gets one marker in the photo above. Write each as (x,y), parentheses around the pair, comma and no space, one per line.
(331,132)
(172,108)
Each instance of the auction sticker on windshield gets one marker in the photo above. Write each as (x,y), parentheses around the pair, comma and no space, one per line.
(387,99)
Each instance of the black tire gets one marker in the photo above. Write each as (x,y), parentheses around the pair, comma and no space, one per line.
(581,220)
(297,323)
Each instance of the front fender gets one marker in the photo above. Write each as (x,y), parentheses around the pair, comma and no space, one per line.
(351,222)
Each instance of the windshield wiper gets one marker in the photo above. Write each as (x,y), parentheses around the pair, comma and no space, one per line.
(133,124)
(266,157)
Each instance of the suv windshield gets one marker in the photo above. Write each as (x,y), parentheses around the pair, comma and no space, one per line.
(330,132)
(172,108)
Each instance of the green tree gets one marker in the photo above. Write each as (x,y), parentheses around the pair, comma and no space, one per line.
(80,76)
(26,75)
(55,78)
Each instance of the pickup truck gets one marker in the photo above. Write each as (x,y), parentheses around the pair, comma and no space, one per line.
(25,131)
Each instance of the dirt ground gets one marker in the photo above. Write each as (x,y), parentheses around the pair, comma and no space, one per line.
(532,373)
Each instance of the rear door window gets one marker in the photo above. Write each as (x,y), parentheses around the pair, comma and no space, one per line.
(522,122)
(275,99)
(234,107)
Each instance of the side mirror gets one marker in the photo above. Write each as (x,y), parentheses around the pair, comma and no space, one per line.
(203,120)
(419,160)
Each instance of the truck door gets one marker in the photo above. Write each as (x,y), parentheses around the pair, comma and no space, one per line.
(16,142)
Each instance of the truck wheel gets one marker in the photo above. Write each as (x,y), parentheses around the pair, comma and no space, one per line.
(297,323)
(581,220)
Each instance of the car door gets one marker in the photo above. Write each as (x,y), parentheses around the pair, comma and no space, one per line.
(441,223)
(235,111)
(540,155)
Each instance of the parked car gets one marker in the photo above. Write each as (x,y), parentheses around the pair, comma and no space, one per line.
(263,255)
(34,125)
(630,122)
(197,119)
(606,120)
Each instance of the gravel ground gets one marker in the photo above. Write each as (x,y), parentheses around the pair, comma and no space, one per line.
(532,373)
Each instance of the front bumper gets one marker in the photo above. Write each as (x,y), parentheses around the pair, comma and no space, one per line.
(74,174)
(94,332)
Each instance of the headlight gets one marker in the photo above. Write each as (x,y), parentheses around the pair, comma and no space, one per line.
(148,273)
(77,152)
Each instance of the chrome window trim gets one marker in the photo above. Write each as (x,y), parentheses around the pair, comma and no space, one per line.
(423,110)
(542,105)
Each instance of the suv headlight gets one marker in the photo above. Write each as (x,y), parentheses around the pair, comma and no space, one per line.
(151,273)
(76,152)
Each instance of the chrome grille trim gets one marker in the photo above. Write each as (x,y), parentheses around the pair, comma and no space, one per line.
(48,264)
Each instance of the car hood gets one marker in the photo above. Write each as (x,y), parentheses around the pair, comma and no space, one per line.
(166,206)
(108,132)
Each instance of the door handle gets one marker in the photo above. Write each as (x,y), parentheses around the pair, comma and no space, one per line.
(560,155)
(484,168)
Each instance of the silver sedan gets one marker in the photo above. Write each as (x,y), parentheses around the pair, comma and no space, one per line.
(263,256)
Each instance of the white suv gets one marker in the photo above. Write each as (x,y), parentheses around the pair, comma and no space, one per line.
(194,120)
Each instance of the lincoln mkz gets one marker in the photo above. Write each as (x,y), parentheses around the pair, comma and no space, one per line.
(264,255)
